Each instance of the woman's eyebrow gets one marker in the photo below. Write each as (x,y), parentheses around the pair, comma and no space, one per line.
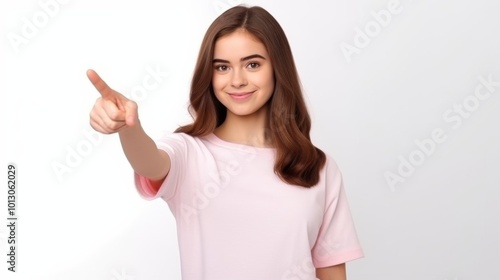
(218,60)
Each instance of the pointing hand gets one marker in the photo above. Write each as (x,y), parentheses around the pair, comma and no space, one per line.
(112,112)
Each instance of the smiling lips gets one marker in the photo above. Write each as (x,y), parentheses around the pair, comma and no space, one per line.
(240,95)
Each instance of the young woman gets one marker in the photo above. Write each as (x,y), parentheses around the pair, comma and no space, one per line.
(253,198)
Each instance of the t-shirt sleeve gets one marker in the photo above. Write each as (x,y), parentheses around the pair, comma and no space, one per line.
(337,241)
(176,148)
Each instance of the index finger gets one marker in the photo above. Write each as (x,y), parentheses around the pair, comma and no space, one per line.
(100,85)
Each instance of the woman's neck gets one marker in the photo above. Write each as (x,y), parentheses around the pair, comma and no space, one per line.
(247,130)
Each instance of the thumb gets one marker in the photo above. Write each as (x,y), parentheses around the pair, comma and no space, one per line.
(131,115)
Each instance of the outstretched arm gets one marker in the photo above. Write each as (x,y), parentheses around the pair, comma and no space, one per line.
(113,113)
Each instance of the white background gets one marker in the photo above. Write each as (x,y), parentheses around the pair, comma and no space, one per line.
(368,109)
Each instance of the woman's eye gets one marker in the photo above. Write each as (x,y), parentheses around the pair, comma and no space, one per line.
(221,67)
(253,65)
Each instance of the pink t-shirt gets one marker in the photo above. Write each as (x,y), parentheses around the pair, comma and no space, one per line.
(237,220)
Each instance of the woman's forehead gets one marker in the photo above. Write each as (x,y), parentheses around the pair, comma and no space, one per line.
(238,44)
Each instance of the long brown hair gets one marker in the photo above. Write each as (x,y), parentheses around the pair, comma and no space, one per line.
(298,161)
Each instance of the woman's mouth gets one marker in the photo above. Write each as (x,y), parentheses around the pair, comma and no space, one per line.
(240,95)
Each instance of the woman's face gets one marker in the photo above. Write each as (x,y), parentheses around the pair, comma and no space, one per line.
(243,77)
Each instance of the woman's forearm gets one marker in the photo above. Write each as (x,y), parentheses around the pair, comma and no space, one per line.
(143,154)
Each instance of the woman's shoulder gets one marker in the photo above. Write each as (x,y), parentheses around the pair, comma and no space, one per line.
(179,136)
(331,164)
(185,138)
(177,139)
(199,140)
